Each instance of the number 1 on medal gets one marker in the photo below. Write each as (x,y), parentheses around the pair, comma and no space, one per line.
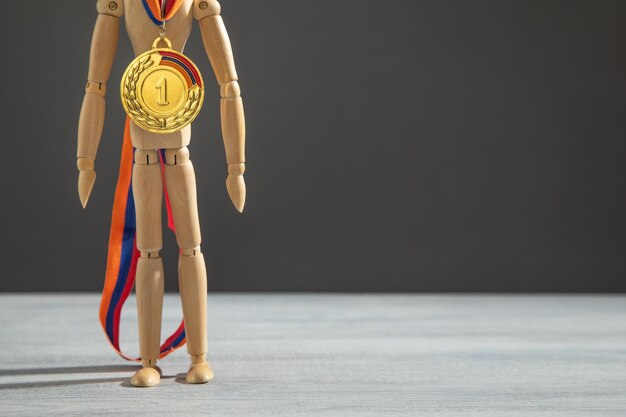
(162,87)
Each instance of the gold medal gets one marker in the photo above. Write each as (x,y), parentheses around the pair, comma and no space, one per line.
(162,90)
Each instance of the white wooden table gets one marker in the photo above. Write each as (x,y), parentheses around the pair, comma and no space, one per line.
(329,355)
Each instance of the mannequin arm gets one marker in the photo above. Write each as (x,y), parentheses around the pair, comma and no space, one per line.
(218,48)
(103,45)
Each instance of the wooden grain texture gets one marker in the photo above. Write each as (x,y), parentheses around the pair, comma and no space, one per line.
(103,47)
(181,190)
(329,355)
(218,48)
(147,183)
(233,129)
(192,281)
(149,286)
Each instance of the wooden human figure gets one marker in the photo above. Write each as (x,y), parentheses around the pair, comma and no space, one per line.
(179,175)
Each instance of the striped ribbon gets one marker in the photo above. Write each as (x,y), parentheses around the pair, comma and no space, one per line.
(123,254)
(161,10)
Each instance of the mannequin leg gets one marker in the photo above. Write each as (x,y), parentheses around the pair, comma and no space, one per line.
(181,187)
(149,283)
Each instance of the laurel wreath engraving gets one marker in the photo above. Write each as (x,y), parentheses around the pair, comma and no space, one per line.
(137,112)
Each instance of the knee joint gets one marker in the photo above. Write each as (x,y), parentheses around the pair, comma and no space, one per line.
(191,252)
(146,157)
(149,255)
(176,156)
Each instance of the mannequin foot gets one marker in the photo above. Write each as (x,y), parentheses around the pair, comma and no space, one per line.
(146,377)
(199,373)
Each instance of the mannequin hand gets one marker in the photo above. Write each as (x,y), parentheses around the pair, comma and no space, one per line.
(86,179)
(236,186)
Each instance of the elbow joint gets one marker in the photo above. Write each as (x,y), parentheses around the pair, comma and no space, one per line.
(230,89)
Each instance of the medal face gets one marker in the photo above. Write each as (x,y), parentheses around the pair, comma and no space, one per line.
(162,90)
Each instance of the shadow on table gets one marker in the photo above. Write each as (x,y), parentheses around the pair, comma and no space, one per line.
(69,370)
(66,370)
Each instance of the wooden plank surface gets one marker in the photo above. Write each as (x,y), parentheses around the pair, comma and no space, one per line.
(329,355)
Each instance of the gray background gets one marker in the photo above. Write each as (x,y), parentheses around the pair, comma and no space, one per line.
(392,146)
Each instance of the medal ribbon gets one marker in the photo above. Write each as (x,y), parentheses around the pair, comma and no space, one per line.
(123,254)
(161,10)
(122,251)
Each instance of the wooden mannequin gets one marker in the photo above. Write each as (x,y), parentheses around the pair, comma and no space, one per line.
(179,174)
